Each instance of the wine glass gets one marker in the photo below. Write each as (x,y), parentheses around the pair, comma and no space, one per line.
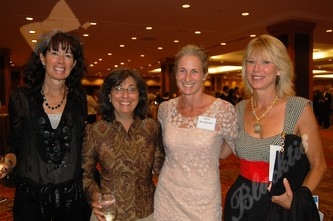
(109,206)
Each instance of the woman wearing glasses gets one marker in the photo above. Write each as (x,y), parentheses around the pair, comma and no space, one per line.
(126,145)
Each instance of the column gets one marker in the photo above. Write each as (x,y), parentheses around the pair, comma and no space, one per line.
(4,78)
(298,38)
(168,81)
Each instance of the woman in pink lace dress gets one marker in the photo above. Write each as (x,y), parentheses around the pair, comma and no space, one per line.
(198,129)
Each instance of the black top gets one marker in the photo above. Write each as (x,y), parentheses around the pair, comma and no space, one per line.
(46,155)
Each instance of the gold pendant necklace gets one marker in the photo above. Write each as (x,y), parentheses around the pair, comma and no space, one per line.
(257,125)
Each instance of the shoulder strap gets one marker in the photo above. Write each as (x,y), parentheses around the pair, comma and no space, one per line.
(294,108)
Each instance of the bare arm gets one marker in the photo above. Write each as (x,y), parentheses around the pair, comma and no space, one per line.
(307,128)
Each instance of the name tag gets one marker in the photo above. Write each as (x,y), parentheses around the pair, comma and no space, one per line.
(207,123)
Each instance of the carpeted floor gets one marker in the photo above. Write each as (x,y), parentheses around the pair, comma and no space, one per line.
(229,171)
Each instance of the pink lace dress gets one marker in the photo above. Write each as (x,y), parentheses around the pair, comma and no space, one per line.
(188,187)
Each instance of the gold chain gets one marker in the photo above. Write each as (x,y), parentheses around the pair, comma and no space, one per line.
(266,111)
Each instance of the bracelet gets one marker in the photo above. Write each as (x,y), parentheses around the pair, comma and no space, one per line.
(10,162)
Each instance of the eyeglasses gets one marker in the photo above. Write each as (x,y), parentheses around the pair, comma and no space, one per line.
(121,90)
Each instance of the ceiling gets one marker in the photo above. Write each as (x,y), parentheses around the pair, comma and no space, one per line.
(117,21)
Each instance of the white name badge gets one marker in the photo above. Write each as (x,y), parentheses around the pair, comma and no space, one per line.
(207,123)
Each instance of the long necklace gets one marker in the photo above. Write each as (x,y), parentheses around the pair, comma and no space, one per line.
(257,125)
(53,107)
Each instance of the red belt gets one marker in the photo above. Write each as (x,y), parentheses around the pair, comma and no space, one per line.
(256,171)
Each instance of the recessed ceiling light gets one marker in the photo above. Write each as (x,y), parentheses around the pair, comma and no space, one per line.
(149,28)
(109,53)
(329,30)
(176,41)
(122,46)
(223,43)
(142,55)
(245,14)
(160,48)
(197,32)
(93,23)
(133,38)
(186,5)
(32,32)
(100,59)
(253,35)
(34,41)
(29,18)
(85,35)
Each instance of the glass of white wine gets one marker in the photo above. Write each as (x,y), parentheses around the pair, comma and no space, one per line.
(109,206)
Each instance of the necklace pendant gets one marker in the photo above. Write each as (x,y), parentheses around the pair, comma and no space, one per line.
(257,128)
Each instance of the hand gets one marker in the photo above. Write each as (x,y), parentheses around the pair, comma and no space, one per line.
(286,198)
(96,206)
(5,167)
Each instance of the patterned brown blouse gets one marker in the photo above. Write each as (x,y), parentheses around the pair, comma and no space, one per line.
(126,161)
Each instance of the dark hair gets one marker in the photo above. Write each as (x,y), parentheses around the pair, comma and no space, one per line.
(34,70)
(115,78)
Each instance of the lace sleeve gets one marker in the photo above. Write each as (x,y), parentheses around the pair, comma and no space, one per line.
(227,123)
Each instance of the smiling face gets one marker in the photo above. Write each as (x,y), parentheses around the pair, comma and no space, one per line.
(58,63)
(125,101)
(261,73)
(189,75)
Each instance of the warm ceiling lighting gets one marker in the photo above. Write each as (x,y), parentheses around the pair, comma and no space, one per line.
(133,38)
(176,41)
(34,41)
(109,53)
(142,55)
(253,36)
(197,32)
(221,69)
(149,28)
(32,32)
(93,23)
(186,5)
(85,35)
(245,14)
(29,18)
(323,76)
(329,30)
(122,46)
(223,43)
(160,48)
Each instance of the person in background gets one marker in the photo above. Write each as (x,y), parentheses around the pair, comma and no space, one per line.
(272,111)
(47,121)
(92,106)
(224,93)
(316,105)
(331,105)
(126,145)
(198,130)
(324,104)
